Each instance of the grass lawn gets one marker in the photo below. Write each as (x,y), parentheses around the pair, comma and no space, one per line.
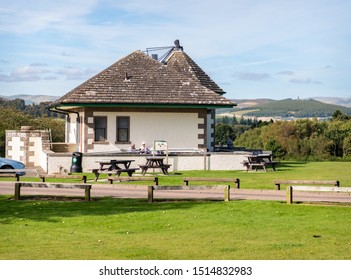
(133,229)
(264,180)
(109,228)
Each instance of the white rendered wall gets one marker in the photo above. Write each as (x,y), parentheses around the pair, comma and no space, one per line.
(214,161)
(180,130)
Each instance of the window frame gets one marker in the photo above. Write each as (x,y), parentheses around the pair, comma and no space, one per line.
(104,128)
(118,136)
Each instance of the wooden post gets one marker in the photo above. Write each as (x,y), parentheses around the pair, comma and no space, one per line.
(150,194)
(227,193)
(237,183)
(17,191)
(87,193)
(289,195)
(277,186)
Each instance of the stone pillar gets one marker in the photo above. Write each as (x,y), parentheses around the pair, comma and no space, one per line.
(27,145)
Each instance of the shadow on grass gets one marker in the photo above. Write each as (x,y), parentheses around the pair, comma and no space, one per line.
(290,165)
(51,208)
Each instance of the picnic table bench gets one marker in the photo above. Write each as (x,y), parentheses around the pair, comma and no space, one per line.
(131,179)
(305,182)
(236,181)
(114,167)
(260,161)
(19,185)
(154,162)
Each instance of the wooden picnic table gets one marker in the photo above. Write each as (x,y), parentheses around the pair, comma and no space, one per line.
(155,162)
(114,166)
(260,161)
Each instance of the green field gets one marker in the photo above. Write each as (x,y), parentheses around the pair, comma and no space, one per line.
(109,228)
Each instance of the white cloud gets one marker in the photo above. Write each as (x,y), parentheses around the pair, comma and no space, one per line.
(285,73)
(73,73)
(251,76)
(304,81)
(32,72)
(26,17)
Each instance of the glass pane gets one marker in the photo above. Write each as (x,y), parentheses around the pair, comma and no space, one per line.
(122,135)
(100,134)
(100,122)
(123,122)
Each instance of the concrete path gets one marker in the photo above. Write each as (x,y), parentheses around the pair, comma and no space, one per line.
(139,191)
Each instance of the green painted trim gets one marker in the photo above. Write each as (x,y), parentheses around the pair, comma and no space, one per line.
(139,105)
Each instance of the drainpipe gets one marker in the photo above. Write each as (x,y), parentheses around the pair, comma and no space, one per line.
(66,112)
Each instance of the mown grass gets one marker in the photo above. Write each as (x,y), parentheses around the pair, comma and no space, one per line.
(252,179)
(109,228)
(134,229)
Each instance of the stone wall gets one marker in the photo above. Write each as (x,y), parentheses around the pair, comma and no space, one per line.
(27,145)
(212,161)
(33,148)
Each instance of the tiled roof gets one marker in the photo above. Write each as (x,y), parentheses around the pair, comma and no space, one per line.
(180,61)
(139,79)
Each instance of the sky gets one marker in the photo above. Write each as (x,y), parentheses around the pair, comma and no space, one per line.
(251,48)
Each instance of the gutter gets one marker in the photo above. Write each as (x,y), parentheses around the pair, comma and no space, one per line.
(149,105)
(66,112)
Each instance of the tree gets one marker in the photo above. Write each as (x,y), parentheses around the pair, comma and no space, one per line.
(222,132)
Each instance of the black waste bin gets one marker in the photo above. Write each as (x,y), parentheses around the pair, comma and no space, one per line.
(76,166)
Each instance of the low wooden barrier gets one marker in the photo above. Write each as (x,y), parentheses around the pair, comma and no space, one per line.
(290,190)
(305,182)
(19,185)
(151,190)
(11,173)
(43,177)
(131,179)
(236,181)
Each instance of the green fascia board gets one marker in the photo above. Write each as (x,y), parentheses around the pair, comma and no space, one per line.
(138,105)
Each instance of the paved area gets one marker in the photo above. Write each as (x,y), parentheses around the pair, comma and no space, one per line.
(139,191)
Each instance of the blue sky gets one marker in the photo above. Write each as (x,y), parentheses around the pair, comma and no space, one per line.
(252,48)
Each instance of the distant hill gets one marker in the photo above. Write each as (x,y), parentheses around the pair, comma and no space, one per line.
(341,101)
(30,99)
(296,108)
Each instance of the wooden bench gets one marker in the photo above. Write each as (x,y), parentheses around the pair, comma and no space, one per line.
(305,182)
(151,190)
(59,176)
(130,179)
(118,172)
(291,189)
(236,181)
(19,185)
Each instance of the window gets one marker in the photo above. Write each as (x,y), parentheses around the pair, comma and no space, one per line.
(122,129)
(100,129)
